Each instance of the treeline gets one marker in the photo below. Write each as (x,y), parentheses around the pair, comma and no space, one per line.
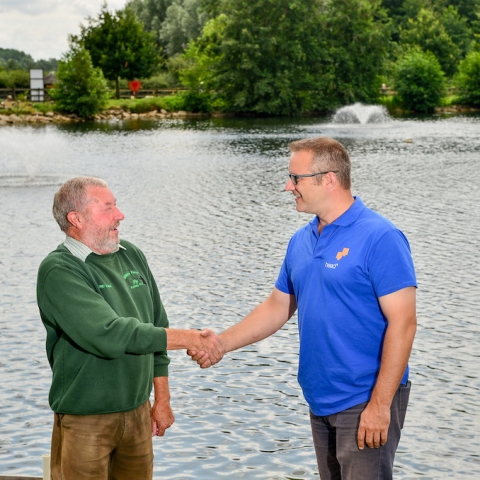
(11,59)
(15,68)
(286,57)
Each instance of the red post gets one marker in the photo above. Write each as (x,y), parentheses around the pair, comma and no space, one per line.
(134,86)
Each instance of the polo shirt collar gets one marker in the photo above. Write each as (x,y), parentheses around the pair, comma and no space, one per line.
(345,218)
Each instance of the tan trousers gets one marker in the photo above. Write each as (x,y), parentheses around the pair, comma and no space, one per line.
(114,446)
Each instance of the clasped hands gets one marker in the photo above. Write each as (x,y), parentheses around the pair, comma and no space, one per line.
(208,348)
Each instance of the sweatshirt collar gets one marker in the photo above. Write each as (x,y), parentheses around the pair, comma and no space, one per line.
(79,249)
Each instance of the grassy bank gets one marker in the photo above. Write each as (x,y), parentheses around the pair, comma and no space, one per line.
(174,105)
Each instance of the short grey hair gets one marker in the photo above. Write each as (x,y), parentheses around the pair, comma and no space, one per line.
(71,197)
(328,154)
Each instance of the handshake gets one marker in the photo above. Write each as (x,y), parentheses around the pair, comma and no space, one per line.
(204,347)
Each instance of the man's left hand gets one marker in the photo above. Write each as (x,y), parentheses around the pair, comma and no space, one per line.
(162,417)
(373,427)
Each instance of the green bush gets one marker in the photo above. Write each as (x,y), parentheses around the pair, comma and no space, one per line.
(174,103)
(159,81)
(419,81)
(467,80)
(194,101)
(81,88)
(14,79)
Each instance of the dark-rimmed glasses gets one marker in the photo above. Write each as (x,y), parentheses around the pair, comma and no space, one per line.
(294,178)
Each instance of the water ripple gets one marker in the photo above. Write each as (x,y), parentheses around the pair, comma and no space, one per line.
(205,201)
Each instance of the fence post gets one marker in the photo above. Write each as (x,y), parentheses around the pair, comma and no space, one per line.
(46,466)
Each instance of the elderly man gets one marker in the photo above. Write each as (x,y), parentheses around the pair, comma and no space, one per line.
(350,274)
(107,342)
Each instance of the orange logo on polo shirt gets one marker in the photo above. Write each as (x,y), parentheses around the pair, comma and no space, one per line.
(342,254)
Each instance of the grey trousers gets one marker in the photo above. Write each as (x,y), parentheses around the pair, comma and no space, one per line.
(335,441)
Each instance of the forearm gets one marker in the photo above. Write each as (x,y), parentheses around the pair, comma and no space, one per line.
(395,354)
(260,323)
(161,389)
(179,339)
(162,415)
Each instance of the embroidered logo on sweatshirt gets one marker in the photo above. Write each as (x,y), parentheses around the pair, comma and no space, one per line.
(134,279)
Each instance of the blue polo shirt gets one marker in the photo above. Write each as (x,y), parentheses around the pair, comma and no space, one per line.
(337,278)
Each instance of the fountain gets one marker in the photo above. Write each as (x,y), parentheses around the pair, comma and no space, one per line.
(26,180)
(363,114)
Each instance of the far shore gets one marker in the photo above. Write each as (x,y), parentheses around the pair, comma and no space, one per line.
(10,115)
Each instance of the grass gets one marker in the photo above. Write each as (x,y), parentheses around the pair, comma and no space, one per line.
(144,105)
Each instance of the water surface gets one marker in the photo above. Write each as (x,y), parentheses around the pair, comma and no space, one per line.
(204,199)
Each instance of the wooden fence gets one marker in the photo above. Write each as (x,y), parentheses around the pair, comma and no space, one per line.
(153,92)
(15,93)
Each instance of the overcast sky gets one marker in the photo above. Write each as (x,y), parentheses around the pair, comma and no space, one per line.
(40,28)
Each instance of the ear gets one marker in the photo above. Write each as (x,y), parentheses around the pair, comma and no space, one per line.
(74,219)
(331,180)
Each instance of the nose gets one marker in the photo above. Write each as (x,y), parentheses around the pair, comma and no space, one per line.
(289,186)
(118,214)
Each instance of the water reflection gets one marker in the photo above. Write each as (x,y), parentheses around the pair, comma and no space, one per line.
(205,200)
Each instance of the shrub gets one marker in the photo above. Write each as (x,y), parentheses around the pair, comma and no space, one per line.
(467,79)
(194,101)
(174,103)
(140,105)
(81,88)
(158,81)
(14,79)
(419,81)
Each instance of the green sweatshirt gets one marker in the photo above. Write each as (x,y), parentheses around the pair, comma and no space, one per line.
(102,317)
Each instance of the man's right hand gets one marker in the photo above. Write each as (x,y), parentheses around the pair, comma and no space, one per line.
(205,345)
(212,351)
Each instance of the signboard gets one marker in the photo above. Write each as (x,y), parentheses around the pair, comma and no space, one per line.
(37,92)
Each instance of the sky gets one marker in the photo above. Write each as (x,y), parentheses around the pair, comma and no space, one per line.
(40,28)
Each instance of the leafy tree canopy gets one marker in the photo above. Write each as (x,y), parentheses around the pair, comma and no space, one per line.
(467,79)
(357,38)
(81,88)
(428,32)
(12,59)
(119,45)
(281,57)
(183,22)
(419,80)
(152,13)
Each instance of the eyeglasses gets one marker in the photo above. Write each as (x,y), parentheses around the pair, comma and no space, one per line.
(294,178)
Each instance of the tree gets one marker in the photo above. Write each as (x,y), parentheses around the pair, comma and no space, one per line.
(152,14)
(467,79)
(259,55)
(15,59)
(357,38)
(428,32)
(14,79)
(469,9)
(119,45)
(457,28)
(183,22)
(282,57)
(419,81)
(81,88)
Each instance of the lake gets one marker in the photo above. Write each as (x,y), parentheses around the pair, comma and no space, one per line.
(205,201)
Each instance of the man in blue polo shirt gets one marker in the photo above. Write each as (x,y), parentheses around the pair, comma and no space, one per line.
(350,275)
